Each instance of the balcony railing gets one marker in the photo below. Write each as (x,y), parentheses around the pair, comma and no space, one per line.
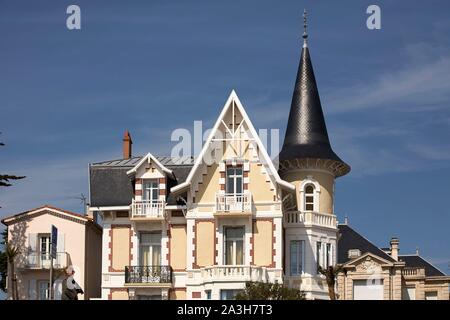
(148,274)
(234,202)
(234,273)
(413,272)
(293,218)
(37,260)
(147,209)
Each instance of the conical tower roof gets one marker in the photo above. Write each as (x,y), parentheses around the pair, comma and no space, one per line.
(306,132)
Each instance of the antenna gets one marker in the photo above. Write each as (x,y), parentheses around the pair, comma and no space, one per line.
(82,199)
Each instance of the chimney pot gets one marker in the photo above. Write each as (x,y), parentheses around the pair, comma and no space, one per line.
(127,142)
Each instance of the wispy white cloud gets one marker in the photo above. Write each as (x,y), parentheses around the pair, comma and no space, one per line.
(415,85)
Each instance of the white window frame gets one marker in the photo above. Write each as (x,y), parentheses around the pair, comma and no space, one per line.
(234,176)
(301,257)
(316,194)
(234,240)
(150,245)
(149,185)
(41,283)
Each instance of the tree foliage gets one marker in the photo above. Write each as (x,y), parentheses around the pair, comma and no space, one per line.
(5,179)
(269,291)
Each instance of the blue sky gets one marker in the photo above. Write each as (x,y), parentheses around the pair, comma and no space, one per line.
(66,97)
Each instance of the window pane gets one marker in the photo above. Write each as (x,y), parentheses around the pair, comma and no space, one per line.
(144,253)
(229,252)
(154,195)
(239,185)
(156,258)
(150,237)
(318,254)
(230,185)
(309,207)
(309,199)
(294,257)
(239,252)
(234,233)
(309,189)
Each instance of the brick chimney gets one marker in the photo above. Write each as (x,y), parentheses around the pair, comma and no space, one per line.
(127,145)
(394,248)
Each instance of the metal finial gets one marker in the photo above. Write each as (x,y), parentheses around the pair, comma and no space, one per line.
(305,25)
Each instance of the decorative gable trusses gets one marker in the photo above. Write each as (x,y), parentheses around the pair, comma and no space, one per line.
(148,160)
(227,130)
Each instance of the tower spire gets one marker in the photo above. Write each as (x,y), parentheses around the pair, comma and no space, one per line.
(306,132)
(305,27)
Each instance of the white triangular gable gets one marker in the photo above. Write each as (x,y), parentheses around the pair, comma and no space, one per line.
(149,158)
(267,162)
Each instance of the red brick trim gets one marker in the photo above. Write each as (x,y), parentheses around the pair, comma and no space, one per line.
(138,192)
(194,241)
(110,245)
(252,241)
(196,295)
(169,233)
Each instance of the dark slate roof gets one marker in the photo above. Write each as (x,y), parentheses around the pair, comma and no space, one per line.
(350,239)
(416,261)
(306,132)
(111,186)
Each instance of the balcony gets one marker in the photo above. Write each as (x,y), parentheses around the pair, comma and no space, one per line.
(37,260)
(309,218)
(413,272)
(233,204)
(147,209)
(233,273)
(152,276)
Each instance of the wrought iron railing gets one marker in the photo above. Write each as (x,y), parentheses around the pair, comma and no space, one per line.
(148,274)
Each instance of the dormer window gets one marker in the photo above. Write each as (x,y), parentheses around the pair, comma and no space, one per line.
(150,190)
(354,253)
(309,198)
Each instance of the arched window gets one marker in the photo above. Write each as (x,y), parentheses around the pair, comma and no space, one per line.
(309,198)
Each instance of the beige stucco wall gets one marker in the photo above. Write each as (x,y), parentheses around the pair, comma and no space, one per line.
(120,247)
(260,189)
(262,242)
(119,295)
(178,247)
(74,245)
(177,294)
(204,243)
(210,185)
(325,180)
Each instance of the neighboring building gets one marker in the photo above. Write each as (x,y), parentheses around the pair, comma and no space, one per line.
(199,229)
(383,274)
(78,245)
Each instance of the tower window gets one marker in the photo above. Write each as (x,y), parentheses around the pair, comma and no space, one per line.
(309,198)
